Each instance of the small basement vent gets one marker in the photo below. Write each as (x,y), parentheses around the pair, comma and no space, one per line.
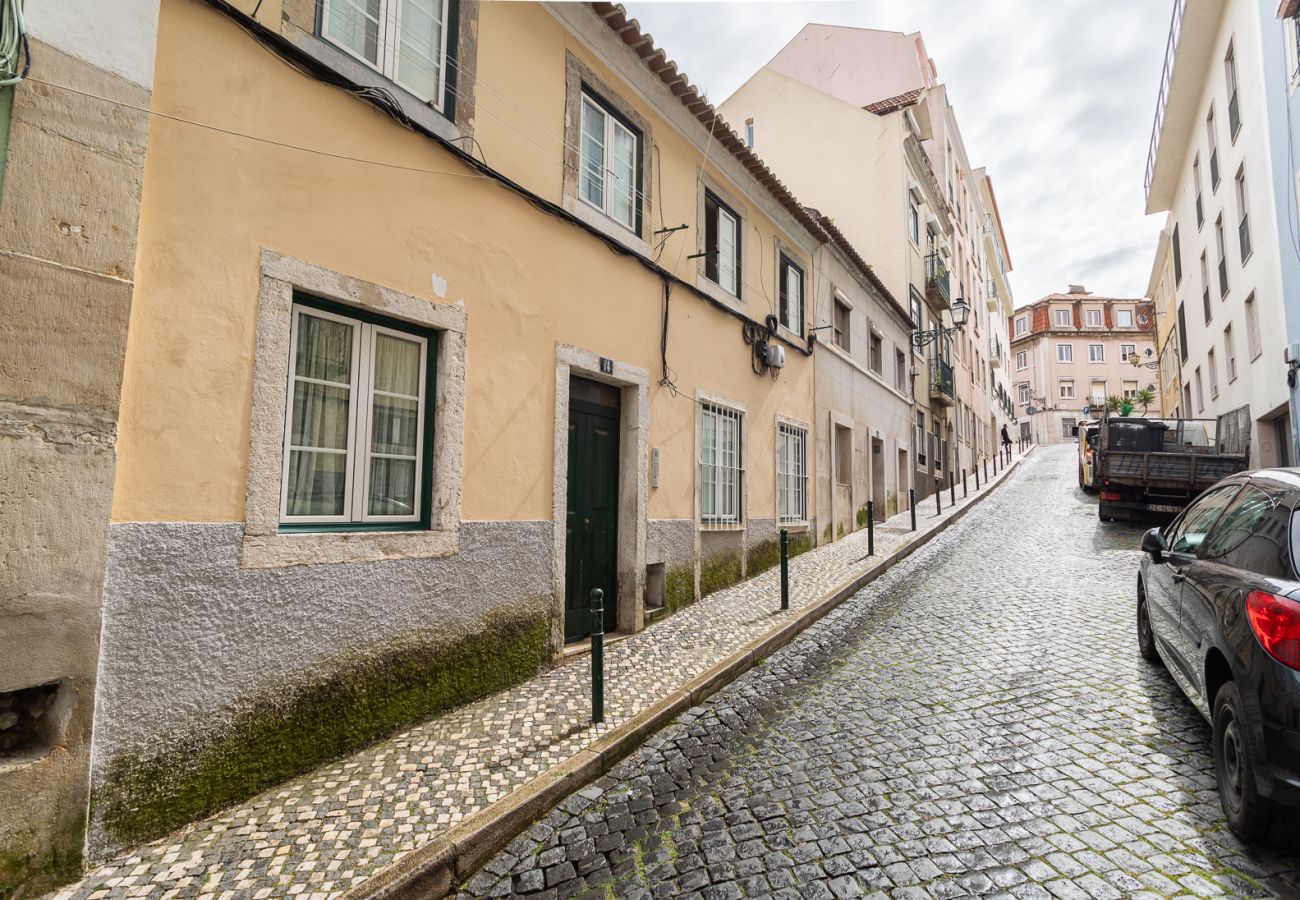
(28,721)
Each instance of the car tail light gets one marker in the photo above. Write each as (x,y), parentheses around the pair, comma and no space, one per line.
(1111,495)
(1276,622)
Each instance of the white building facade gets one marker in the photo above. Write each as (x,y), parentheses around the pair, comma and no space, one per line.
(1210,169)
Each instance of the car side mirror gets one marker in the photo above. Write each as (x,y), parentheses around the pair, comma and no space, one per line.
(1153,544)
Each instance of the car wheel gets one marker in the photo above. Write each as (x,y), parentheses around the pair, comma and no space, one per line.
(1250,816)
(1146,639)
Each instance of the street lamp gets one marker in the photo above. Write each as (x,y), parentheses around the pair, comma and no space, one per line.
(959,312)
(1136,361)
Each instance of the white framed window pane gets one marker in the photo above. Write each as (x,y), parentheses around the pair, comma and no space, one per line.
(396,373)
(392,487)
(320,416)
(397,365)
(623,166)
(317,483)
(708,463)
(419,51)
(591,169)
(324,349)
(794,299)
(395,426)
(355,24)
(727,269)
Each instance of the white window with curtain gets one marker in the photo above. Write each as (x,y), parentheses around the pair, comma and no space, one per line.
(722,244)
(354,449)
(607,173)
(405,40)
(722,471)
(790,289)
(792,473)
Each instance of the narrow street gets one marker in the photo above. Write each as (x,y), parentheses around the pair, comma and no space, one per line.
(977,721)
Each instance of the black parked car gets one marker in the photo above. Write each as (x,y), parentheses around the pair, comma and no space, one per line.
(1218,600)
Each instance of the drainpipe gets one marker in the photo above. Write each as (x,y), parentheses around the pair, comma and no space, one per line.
(1292,357)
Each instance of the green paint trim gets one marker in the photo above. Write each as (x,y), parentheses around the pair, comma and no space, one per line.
(331,712)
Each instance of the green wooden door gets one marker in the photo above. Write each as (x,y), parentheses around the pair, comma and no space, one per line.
(591,548)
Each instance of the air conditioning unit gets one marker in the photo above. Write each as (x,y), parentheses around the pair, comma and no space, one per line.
(774,355)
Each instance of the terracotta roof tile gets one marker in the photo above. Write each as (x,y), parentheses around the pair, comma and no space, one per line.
(893,104)
(629,30)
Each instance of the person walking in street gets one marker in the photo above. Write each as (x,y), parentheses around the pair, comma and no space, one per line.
(1006,441)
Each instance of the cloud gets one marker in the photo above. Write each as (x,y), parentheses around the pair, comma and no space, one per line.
(1055,98)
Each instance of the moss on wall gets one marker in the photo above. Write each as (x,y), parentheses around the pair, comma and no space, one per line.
(335,710)
(34,874)
(679,588)
(800,544)
(718,572)
(763,556)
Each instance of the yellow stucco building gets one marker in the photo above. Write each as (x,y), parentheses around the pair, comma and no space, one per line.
(438,325)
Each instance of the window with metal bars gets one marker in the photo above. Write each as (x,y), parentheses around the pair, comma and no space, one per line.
(722,471)
(792,473)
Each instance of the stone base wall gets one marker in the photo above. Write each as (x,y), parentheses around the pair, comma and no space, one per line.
(671,542)
(68,218)
(219,681)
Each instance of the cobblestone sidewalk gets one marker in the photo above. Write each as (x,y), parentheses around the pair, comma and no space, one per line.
(325,832)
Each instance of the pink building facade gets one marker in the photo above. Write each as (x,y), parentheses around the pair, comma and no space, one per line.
(1071,351)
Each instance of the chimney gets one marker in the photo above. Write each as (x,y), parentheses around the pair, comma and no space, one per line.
(1076,289)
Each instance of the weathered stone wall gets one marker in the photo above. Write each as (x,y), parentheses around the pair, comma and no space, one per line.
(218,681)
(68,221)
(672,542)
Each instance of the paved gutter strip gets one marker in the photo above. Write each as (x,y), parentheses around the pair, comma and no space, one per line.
(434,870)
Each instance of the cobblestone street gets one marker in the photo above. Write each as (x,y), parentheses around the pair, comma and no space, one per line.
(977,721)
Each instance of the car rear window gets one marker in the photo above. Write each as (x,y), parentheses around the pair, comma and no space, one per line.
(1253,535)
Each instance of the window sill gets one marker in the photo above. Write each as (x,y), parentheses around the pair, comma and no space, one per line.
(718,292)
(605,225)
(304,548)
(800,525)
(705,527)
(358,72)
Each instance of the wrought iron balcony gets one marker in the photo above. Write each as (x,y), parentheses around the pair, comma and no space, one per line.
(942,387)
(936,279)
(995,352)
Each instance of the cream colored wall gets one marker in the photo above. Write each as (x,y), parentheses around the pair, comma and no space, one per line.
(844,162)
(526,279)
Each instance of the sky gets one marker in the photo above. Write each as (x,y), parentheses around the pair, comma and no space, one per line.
(1054,97)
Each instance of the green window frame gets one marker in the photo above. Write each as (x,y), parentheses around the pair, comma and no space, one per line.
(370,401)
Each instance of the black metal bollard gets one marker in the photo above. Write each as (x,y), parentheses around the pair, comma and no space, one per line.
(597,655)
(952,491)
(938,498)
(986,471)
(977,478)
(995,465)
(785,569)
(963,484)
(871,528)
(911,505)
